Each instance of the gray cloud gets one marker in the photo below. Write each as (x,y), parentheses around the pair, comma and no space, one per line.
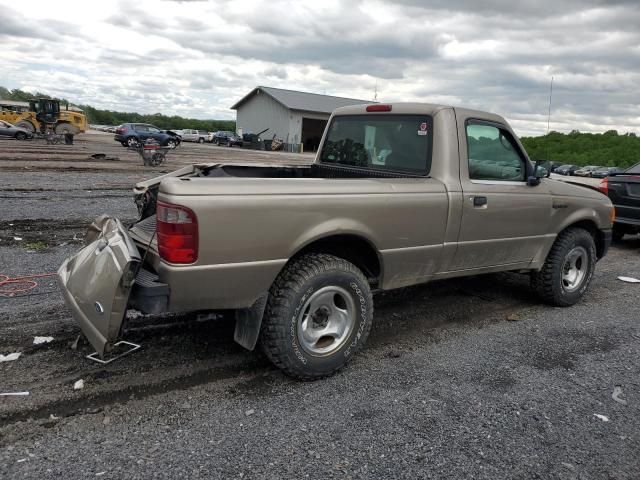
(197,58)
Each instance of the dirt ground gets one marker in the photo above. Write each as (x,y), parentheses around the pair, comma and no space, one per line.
(470,378)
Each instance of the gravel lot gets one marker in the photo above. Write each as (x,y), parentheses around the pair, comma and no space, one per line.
(469,378)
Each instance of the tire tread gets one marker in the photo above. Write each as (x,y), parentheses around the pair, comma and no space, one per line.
(274,332)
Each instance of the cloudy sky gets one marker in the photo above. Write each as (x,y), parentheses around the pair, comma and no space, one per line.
(196,58)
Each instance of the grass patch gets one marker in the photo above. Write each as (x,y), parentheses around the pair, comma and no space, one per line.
(37,246)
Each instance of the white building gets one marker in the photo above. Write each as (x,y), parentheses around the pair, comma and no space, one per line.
(297,118)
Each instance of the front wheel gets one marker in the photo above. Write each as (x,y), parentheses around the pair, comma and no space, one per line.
(568,269)
(131,142)
(171,144)
(21,136)
(318,316)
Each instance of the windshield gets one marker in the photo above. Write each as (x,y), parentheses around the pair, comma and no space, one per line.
(395,143)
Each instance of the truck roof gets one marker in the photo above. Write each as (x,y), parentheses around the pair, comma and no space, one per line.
(416,108)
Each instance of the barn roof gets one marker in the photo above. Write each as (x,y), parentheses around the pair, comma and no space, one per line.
(309,102)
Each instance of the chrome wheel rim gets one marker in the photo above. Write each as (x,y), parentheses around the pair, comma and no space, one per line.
(326,321)
(574,269)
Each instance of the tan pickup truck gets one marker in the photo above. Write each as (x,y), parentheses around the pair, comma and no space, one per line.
(398,195)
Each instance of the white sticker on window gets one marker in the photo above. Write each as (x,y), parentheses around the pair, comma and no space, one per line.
(423,128)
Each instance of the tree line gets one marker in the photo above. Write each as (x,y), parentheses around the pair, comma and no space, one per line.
(608,149)
(98,116)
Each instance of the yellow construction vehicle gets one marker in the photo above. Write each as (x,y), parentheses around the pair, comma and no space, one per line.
(44,114)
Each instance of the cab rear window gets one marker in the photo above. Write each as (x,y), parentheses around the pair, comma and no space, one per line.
(393,143)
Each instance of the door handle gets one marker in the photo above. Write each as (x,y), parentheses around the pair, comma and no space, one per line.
(479,201)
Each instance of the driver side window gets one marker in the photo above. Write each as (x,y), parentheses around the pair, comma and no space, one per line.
(493,154)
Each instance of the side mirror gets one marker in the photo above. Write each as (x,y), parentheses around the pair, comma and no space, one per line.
(533,181)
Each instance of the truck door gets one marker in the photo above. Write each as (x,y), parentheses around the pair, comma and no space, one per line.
(503,219)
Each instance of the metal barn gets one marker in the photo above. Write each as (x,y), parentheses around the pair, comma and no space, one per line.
(298,118)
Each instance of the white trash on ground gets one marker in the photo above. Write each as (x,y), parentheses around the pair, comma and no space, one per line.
(617,391)
(39,340)
(629,279)
(10,357)
(79,385)
(604,418)
(14,394)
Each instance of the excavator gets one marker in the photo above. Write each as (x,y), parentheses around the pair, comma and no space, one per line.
(45,114)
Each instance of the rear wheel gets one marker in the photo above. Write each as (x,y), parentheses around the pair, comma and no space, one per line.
(201,140)
(318,316)
(568,269)
(64,127)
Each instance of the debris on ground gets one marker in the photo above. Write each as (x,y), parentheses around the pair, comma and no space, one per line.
(249,412)
(617,391)
(79,385)
(629,279)
(17,239)
(512,317)
(10,357)
(604,418)
(74,344)
(39,340)
(14,394)
(102,156)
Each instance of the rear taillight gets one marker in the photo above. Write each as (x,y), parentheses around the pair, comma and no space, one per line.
(604,186)
(119,131)
(177,230)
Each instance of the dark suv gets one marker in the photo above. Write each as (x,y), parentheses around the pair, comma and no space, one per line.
(221,137)
(128,134)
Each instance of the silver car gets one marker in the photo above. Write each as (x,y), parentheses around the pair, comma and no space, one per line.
(9,130)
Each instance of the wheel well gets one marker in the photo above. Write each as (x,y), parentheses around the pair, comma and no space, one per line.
(595,232)
(352,248)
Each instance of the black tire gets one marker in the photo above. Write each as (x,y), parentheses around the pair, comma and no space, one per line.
(229,144)
(171,143)
(309,277)
(21,136)
(201,140)
(124,144)
(551,282)
(131,141)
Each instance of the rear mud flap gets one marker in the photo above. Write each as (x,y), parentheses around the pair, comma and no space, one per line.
(96,282)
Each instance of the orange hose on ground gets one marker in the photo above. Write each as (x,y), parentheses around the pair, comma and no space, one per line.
(19,285)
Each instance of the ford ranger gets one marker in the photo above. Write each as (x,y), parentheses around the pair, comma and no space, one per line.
(398,195)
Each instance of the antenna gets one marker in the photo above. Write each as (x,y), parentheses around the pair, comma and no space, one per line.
(550,95)
(546,139)
(375,92)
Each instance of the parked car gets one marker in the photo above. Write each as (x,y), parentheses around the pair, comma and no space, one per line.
(566,170)
(10,130)
(190,135)
(234,140)
(221,137)
(586,171)
(623,189)
(605,172)
(128,134)
(331,233)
